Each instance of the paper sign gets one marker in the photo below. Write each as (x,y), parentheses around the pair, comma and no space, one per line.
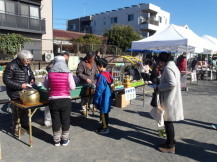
(73,62)
(130,93)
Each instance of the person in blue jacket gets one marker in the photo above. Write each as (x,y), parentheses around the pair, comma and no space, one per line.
(102,96)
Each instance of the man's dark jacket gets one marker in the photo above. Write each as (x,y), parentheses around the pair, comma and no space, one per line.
(14,76)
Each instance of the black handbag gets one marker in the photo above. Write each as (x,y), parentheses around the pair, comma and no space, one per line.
(154,100)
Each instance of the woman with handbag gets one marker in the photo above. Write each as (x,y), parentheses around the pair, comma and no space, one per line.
(170,99)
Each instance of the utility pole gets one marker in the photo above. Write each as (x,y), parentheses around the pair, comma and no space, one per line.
(84,8)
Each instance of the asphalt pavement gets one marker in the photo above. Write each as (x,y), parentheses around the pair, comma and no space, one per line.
(133,133)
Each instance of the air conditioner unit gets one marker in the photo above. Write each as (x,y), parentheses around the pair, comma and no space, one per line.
(49,57)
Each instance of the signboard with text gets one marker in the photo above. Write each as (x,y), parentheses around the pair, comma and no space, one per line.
(130,93)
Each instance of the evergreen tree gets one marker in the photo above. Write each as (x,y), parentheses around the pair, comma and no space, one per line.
(121,36)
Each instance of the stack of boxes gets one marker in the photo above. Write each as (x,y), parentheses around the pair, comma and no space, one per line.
(121,101)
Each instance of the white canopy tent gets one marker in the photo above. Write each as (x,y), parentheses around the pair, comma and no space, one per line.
(211,40)
(175,39)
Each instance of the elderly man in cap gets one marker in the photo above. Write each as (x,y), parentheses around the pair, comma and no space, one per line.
(18,76)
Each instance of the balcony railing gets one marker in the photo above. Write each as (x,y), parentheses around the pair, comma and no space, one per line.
(150,21)
(21,23)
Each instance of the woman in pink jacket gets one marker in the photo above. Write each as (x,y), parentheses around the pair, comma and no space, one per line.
(59,82)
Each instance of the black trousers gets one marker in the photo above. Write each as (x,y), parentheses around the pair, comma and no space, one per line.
(170,132)
(60,110)
(145,76)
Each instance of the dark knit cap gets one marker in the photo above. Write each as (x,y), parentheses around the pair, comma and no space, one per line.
(164,57)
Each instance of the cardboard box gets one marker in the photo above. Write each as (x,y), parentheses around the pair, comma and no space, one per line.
(121,102)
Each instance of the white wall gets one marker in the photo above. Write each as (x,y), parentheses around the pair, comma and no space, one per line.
(122,16)
(47,13)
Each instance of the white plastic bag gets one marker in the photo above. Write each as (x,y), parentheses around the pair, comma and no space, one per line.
(157,113)
(47,117)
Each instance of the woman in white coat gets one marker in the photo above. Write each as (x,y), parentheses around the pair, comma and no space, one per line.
(170,98)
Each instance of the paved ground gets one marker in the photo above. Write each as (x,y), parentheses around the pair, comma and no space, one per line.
(133,135)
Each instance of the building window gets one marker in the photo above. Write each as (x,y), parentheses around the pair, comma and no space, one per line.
(165,21)
(104,23)
(114,20)
(73,27)
(10,7)
(94,23)
(24,10)
(34,12)
(160,19)
(2,6)
(130,17)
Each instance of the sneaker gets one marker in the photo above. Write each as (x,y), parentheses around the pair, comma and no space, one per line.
(65,142)
(102,131)
(92,108)
(57,144)
(84,108)
(149,82)
(84,111)
(166,148)
(214,126)
(48,123)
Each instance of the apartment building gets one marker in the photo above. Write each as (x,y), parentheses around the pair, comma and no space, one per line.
(30,18)
(144,18)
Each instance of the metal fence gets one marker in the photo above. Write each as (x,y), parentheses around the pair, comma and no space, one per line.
(77,48)
(39,47)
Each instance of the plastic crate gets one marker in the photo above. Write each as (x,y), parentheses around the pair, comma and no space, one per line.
(44,94)
(78,91)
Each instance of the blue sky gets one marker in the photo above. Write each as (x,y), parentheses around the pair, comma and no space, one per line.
(199,15)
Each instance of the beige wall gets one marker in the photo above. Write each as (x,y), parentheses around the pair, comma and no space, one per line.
(47,13)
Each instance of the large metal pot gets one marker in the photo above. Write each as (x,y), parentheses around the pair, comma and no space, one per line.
(29,96)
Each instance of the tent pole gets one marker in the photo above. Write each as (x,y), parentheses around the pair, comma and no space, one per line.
(190,59)
(186,89)
(207,68)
